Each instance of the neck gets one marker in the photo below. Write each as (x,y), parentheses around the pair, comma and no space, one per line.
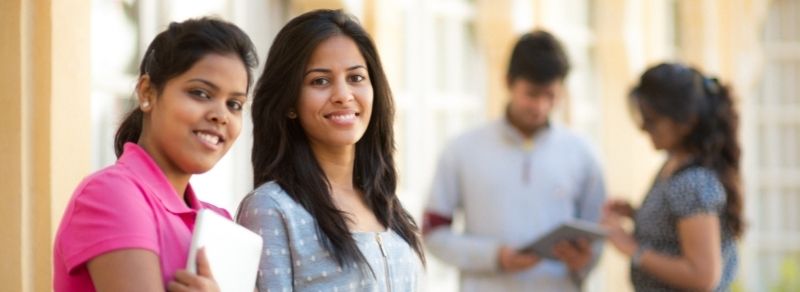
(679,156)
(179,182)
(527,133)
(176,177)
(337,164)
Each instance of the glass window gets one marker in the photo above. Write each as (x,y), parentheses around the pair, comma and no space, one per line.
(772,189)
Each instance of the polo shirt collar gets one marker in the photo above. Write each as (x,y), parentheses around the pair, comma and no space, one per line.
(513,135)
(142,165)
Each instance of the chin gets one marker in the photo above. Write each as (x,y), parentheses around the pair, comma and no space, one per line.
(347,139)
(201,166)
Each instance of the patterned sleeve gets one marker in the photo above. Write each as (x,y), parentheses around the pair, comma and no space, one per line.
(262,214)
(695,191)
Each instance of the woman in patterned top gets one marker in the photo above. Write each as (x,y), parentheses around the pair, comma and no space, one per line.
(325,200)
(686,227)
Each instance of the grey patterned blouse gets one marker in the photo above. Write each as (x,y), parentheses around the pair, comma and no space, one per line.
(691,191)
(294,258)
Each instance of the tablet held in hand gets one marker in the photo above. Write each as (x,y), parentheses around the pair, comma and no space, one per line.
(569,231)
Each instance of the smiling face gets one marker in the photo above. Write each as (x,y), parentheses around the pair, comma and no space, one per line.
(196,117)
(336,96)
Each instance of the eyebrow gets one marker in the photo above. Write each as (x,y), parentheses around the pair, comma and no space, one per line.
(323,70)
(214,86)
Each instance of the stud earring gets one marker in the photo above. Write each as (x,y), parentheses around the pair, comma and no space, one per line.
(145,104)
(292,115)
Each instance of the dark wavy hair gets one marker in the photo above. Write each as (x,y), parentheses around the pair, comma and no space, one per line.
(684,95)
(281,150)
(175,50)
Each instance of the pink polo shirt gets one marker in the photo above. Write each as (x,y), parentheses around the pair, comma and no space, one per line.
(127,205)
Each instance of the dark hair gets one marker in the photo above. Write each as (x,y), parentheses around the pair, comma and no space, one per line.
(281,150)
(684,95)
(538,57)
(175,50)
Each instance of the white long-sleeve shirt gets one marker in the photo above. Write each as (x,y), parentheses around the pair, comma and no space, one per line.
(511,191)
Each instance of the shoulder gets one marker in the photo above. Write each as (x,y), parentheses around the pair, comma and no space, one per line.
(576,144)
(571,139)
(696,177)
(270,197)
(114,176)
(484,133)
(113,186)
(269,194)
(696,189)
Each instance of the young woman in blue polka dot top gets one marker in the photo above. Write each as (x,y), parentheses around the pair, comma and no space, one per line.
(325,201)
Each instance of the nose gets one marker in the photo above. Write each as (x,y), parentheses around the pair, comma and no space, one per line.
(218,113)
(342,93)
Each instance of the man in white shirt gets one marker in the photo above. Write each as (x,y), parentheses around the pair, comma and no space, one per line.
(514,180)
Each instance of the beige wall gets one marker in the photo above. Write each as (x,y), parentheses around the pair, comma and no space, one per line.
(46,122)
(11,147)
(496,38)
(297,7)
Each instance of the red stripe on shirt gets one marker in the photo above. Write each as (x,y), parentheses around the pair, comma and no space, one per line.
(432,221)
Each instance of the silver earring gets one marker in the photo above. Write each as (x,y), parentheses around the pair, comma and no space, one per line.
(145,103)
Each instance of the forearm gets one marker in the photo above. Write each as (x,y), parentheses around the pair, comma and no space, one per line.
(468,253)
(678,271)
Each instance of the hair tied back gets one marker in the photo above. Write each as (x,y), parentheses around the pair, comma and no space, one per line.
(711,85)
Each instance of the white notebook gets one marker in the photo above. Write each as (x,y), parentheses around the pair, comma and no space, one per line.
(233,252)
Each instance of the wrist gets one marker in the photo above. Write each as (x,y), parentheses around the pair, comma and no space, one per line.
(638,254)
(501,258)
(632,249)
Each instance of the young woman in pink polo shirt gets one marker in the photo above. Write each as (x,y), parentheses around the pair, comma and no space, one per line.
(128,227)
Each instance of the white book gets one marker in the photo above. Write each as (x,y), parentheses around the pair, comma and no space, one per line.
(233,252)
(569,231)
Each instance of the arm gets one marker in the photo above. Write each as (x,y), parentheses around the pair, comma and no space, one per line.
(466,252)
(138,270)
(700,267)
(126,270)
(262,214)
(694,199)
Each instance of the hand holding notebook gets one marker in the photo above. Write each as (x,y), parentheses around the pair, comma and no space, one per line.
(569,231)
(233,252)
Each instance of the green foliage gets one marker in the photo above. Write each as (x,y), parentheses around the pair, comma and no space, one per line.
(789,278)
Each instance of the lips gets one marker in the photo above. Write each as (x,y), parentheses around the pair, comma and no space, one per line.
(345,116)
(210,137)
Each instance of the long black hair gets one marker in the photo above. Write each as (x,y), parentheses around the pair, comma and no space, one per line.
(174,51)
(684,95)
(281,150)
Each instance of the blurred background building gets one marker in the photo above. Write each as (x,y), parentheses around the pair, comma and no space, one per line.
(69,70)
